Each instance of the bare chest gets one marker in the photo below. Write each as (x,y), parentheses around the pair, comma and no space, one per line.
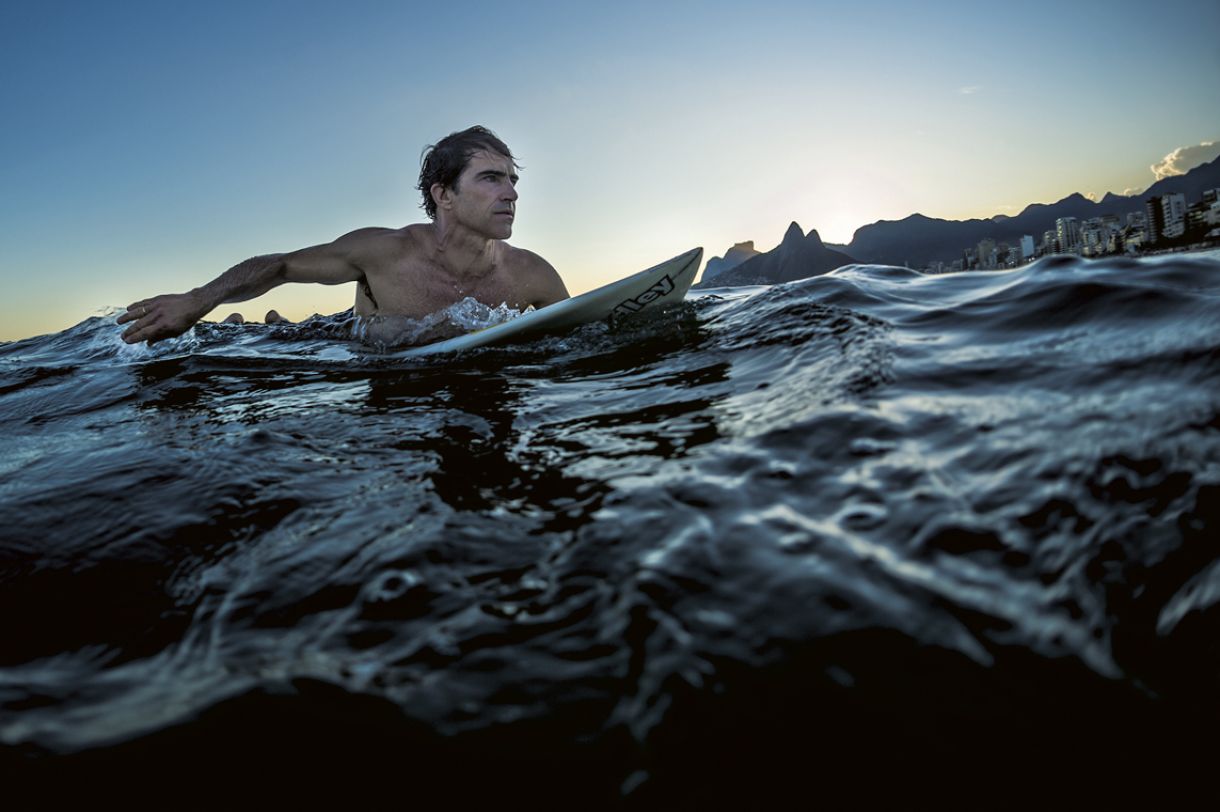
(417,288)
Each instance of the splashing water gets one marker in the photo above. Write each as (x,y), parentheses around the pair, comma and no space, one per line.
(952,528)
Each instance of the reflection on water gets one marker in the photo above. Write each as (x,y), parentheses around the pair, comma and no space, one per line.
(958,525)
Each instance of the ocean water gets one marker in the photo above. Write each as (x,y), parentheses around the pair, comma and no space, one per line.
(944,529)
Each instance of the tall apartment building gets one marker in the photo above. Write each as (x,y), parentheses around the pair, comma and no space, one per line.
(987,258)
(1155,225)
(1049,242)
(1166,217)
(1175,214)
(1067,235)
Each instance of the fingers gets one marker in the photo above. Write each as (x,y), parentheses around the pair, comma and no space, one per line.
(148,322)
(143,330)
(148,325)
(157,318)
(134,311)
(151,334)
(137,312)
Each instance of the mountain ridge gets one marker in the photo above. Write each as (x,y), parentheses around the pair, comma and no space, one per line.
(799,255)
(918,239)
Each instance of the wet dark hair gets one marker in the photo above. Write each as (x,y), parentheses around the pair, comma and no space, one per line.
(444,161)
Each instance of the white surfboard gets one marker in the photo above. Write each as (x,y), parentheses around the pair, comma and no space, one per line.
(663,284)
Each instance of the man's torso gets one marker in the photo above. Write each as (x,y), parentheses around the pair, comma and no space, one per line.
(402,277)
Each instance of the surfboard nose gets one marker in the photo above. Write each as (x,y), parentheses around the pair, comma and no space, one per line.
(695,255)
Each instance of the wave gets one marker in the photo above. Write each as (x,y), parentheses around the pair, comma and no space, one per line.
(936,519)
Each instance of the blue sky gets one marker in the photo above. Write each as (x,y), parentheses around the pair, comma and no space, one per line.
(146,147)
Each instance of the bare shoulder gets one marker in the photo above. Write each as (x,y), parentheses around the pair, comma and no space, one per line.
(416,233)
(529,262)
(371,247)
(538,280)
(363,234)
(371,237)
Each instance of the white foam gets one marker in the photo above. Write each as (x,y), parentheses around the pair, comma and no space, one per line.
(467,316)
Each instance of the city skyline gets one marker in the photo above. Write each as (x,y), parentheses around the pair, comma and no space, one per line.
(1164,219)
(1163,222)
(151,148)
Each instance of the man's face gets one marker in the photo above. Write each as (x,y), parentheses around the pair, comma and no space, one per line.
(485,199)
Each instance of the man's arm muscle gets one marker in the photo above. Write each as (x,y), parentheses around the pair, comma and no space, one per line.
(336,262)
(173,314)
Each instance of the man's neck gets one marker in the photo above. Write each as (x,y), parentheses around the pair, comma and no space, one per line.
(461,252)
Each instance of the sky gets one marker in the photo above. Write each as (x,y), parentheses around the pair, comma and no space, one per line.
(147,147)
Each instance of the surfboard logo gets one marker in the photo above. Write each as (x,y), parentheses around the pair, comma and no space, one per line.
(635,304)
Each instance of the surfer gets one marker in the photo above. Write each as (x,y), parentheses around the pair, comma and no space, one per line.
(468,182)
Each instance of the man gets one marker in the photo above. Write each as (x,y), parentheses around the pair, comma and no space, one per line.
(468,182)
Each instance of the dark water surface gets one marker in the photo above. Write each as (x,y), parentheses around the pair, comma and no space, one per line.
(939,528)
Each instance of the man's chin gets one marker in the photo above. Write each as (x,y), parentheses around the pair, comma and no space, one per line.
(499,228)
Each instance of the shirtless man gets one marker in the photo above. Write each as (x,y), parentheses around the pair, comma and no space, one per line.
(468,182)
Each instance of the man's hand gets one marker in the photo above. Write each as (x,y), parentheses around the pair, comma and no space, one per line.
(162,317)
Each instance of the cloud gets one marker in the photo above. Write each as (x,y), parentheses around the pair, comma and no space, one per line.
(969,90)
(1184,159)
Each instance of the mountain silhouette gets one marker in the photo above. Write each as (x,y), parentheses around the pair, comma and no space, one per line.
(799,255)
(918,240)
(733,257)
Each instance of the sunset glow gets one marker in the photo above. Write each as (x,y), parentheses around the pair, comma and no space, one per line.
(150,148)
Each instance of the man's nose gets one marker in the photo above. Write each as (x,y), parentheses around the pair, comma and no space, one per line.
(510,192)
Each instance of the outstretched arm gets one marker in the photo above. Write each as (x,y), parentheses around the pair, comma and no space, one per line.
(175,313)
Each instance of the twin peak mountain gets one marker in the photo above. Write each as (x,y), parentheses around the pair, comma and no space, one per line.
(917,240)
(799,255)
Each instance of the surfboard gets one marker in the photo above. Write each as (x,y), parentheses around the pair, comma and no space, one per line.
(659,285)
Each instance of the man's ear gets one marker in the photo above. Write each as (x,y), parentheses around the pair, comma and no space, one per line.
(441,195)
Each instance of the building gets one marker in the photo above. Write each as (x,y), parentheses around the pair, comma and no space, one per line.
(1203,216)
(1166,217)
(1175,214)
(1097,235)
(1155,220)
(987,254)
(1093,238)
(1067,235)
(1027,247)
(1050,243)
(1133,240)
